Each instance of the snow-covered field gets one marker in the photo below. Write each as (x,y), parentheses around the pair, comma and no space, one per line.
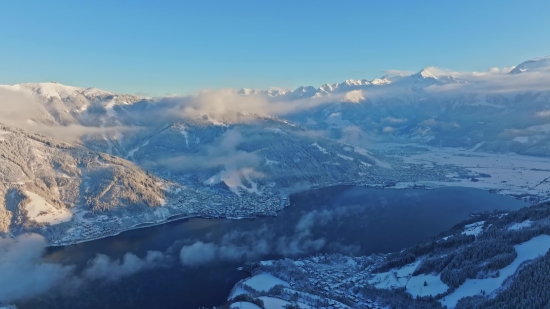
(510,174)
(264,282)
(528,250)
(519,226)
(402,277)
(274,303)
(473,228)
(43,212)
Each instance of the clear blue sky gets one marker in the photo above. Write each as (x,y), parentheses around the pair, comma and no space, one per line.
(162,46)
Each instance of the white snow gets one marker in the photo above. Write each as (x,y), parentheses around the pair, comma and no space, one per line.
(402,277)
(185,134)
(43,212)
(133,151)
(344,157)
(434,286)
(321,149)
(519,226)
(394,278)
(539,65)
(273,303)
(528,250)
(474,228)
(264,282)
(271,162)
(510,173)
(232,178)
(244,305)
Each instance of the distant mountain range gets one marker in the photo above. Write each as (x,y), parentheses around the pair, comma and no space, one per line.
(105,150)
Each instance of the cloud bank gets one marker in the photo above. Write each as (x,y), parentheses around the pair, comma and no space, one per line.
(238,246)
(24,274)
(27,112)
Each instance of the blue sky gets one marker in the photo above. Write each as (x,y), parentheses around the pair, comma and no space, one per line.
(161,46)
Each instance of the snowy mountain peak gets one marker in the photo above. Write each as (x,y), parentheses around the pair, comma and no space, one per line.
(424,73)
(541,64)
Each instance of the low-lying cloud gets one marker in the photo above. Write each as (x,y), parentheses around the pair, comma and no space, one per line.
(20,110)
(238,246)
(24,274)
(103,267)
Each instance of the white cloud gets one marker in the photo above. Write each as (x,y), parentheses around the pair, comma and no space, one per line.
(388,129)
(102,267)
(545,113)
(20,109)
(23,273)
(198,253)
(354,96)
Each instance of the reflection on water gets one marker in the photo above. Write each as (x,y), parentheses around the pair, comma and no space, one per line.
(343,219)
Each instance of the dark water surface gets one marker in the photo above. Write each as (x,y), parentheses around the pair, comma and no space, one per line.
(343,219)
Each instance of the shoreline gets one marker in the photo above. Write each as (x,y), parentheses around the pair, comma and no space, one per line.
(397,186)
(145,225)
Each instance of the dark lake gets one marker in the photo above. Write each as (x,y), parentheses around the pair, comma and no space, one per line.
(343,219)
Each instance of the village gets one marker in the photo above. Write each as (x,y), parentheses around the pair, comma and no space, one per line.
(324,281)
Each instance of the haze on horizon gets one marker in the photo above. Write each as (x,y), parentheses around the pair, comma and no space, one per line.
(171,47)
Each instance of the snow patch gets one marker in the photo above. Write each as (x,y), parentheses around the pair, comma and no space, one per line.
(321,149)
(264,282)
(434,285)
(528,250)
(43,212)
(518,226)
(474,228)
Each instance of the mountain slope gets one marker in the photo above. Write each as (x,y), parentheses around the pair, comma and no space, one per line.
(46,183)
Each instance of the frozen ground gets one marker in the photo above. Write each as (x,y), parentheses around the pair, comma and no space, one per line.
(528,250)
(273,303)
(43,212)
(264,282)
(510,174)
(473,228)
(402,277)
(519,226)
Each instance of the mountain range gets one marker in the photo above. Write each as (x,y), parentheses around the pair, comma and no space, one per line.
(74,157)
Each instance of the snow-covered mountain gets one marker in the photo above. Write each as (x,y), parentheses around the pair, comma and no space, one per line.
(494,111)
(46,184)
(201,162)
(540,65)
(205,149)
